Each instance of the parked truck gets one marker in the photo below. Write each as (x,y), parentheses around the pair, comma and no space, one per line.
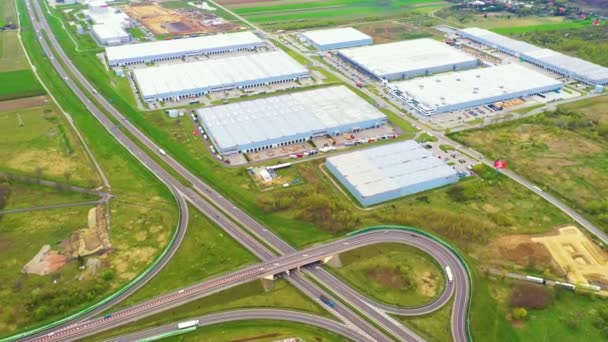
(327,301)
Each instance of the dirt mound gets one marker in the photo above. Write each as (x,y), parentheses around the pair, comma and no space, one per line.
(44,262)
(521,250)
(91,240)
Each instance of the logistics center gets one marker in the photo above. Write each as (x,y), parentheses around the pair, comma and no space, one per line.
(337,38)
(179,48)
(387,172)
(256,125)
(180,81)
(406,59)
(471,88)
(572,67)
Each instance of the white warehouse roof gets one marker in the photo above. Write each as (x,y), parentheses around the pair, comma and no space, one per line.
(406,56)
(182,46)
(337,37)
(389,171)
(475,87)
(110,32)
(215,74)
(272,120)
(574,67)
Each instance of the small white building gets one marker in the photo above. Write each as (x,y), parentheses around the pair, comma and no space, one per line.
(110,34)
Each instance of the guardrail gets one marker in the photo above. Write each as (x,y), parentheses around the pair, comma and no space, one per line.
(430,236)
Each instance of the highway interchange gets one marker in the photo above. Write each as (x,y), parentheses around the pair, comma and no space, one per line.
(250,233)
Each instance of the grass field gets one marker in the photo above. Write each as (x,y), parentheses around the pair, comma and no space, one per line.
(257,331)
(206,252)
(564,152)
(250,295)
(142,206)
(392,273)
(21,83)
(8,12)
(45,147)
(302,14)
(25,195)
(434,327)
(565,25)
(12,57)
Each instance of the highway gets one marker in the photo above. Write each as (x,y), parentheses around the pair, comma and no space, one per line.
(250,314)
(212,211)
(293,261)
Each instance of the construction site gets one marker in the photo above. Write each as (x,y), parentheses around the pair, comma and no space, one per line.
(187,21)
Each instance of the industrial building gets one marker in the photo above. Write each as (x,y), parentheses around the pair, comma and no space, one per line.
(261,124)
(174,82)
(337,38)
(390,171)
(409,58)
(179,48)
(471,88)
(568,66)
(110,34)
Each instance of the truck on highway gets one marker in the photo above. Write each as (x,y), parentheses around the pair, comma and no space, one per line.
(161,151)
(327,301)
(187,324)
(449,274)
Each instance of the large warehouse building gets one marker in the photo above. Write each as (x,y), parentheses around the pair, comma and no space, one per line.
(110,34)
(390,171)
(572,67)
(178,81)
(470,88)
(337,38)
(261,124)
(179,48)
(410,58)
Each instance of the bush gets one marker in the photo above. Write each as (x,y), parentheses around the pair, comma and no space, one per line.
(519,313)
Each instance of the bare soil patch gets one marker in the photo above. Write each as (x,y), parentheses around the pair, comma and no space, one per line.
(27,102)
(530,296)
(521,250)
(390,278)
(427,284)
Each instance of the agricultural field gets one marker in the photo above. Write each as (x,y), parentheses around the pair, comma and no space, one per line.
(12,57)
(8,13)
(393,30)
(394,274)
(250,295)
(564,152)
(305,14)
(17,79)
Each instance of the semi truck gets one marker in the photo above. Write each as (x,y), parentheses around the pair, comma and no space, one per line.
(327,301)
(187,324)
(450,275)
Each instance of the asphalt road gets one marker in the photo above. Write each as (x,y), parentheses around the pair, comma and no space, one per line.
(293,261)
(252,314)
(201,188)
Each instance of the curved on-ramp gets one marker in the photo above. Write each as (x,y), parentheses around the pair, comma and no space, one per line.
(249,314)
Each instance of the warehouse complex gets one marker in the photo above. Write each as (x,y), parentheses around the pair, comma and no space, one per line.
(470,88)
(556,62)
(407,59)
(256,125)
(179,81)
(390,171)
(337,38)
(110,34)
(179,48)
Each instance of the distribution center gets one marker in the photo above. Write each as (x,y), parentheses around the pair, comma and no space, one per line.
(470,88)
(255,125)
(568,66)
(386,172)
(407,59)
(179,48)
(179,81)
(337,38)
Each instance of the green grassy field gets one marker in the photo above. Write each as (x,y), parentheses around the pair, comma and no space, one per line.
(206,252)
(12,57)
(257,331)
(250,295)
(392,273)
(21,83)
(563,152)
(26,195)
(543,27)
(302,14)
(8,12)
(45,146)
(136,33)
(434,326)
(142,207)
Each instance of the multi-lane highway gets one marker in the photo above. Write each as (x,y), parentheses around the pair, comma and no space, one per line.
(194,196)
(293,261)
